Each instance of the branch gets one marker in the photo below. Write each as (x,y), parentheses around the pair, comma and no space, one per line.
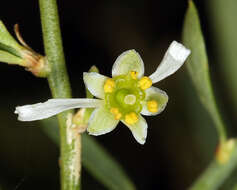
(70,141)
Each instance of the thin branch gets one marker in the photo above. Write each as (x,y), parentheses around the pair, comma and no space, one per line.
(70,141)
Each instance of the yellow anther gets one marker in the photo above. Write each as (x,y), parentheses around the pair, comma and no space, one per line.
(134,74)
(116,113)
(144,83)
(131,118)
(114,110)
(109,86)
(118,116)
(152,106)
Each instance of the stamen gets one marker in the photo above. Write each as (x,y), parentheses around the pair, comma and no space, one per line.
(116,113)
(130,99)
(152,106)
(109,86)
(131,118)
(134,74)
(118,116)
(145,83)
(114,110)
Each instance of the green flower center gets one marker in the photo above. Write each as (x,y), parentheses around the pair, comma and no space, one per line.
(126,96)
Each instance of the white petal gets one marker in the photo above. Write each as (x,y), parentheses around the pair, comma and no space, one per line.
(95,83)
(128,61)
(174,58)
(158,95)
(52,107)
(139,130)
(101,122)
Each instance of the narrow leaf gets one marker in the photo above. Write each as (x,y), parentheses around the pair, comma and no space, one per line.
(197,65)
(95,159)
(10,50)
(102,166)
(222,16)
(213,177)
(10,59)
(7,39)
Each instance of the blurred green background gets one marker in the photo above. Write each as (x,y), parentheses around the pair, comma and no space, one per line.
(181,141)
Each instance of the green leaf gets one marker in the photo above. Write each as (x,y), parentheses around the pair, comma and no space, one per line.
(223,23)
(213,177)
(9,50)
(235,187)
(197,65)
(9,58)
(6,38)
(101,165)
(230,182)
(95,159)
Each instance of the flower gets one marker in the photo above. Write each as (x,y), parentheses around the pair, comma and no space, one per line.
(124,97)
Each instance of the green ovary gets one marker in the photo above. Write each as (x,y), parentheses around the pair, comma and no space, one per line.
(126,96)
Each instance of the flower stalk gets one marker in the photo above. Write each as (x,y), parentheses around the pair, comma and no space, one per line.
(70,141)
